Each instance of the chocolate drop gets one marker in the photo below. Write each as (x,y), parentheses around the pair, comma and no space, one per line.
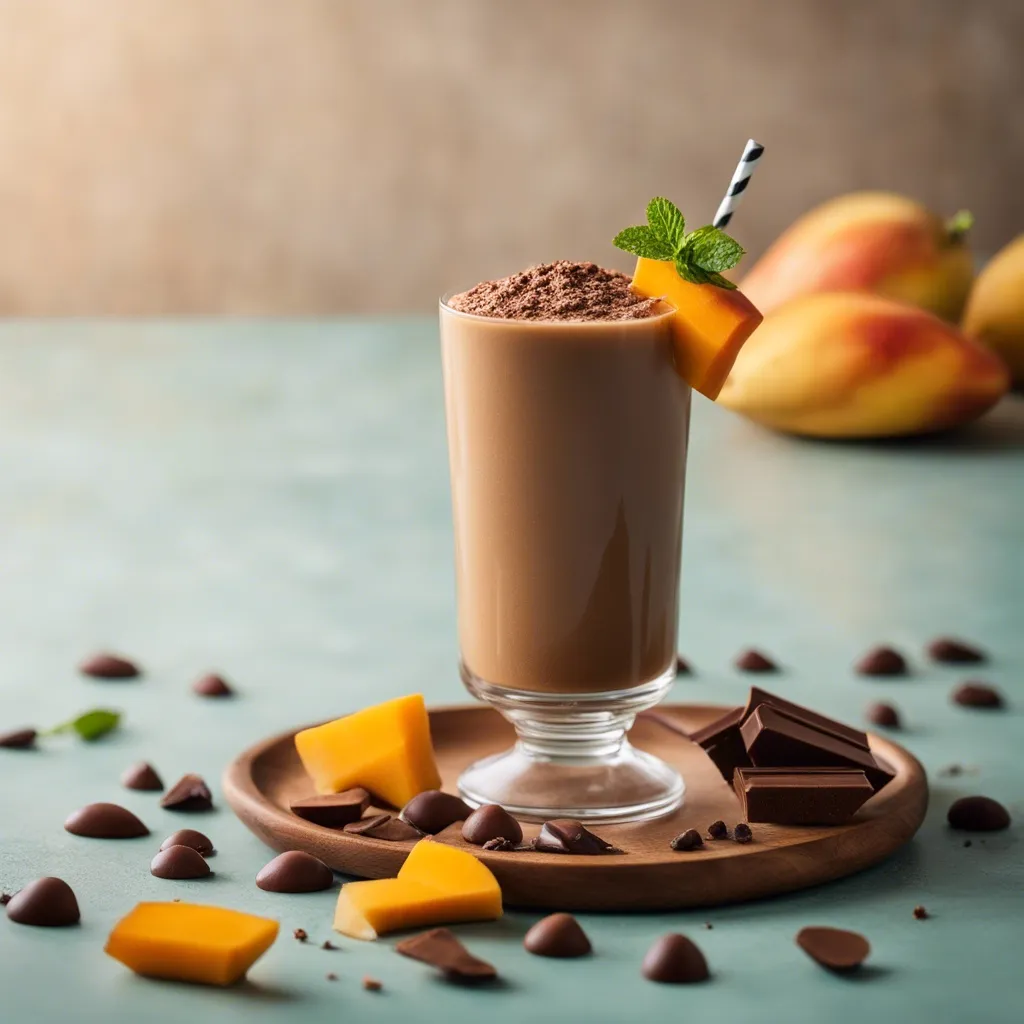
(105,821)
(108,666)
(977,695)
(142,776)
(191,838)
(189,793)
(179,862)
(491,822)
(212,685)
(45,903)
(882,661)
(884,715)
(675,960)
(557,935)
(834,948)
(978,814)
(433,811)
(955,652)
(20,739)
(295,871)
(754,661)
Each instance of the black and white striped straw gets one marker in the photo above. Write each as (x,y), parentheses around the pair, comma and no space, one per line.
(740,179)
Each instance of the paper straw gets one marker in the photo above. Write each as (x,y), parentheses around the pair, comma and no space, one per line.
(740,179)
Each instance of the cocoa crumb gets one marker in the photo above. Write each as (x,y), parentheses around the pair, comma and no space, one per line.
(327,944)
(920,913)
(301,934)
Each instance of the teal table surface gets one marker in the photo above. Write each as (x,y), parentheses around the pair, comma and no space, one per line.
(270,500)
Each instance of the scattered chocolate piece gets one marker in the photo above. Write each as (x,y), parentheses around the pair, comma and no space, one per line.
(334,810)
(105,821)
(955,652)
(191,838)
(142,776)
(371,984)
(499,845)
(559,936)
(212,685)
(301,934)
(385,826)
(834,948)
(108,666)
(5,898)
(754,661)
(441,949)
(884,715)
(708,925)
(718,830)
(812,719)
(723,743)
(882,661)
(675,960)
(327,944)
(801,796)
(742,833)
(295,871)
(20,739)
(921,913)
(491,822)
(682,666)
(977,695)
(189,793)
(433,811)
(45,903)
(952,769)
(178,863)
(565,835)
(978,814)
(967,843)
(331,976)
(688,840)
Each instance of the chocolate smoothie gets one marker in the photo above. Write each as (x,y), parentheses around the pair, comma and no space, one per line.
(567,430)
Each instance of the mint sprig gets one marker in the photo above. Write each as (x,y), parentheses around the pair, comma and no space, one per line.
(91,725)
(699,257)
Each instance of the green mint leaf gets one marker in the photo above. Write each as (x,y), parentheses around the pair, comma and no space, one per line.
(959,224)
(712,249)
(690,271)
(667,223)
(721,282)
(91,725)
(641,241)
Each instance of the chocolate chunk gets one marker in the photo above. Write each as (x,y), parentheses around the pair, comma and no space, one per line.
(718,830)
(723,743)
(754,661)
(921,913)
(742,833)
(978,814)
(142,776)
(810,718)
(565,835)
(433,811)
(559,936)
(300,935)
(834,948)
(491,822)
(108,666)
(371,984)
(801,796)
(884,715)
(682,666)
(191,838)
(179,862)
(295,871)
(45,903)
(441,949)
(675,960)
(384,826)
(955,652)
(105,821)
(977,695)
(882,661)
(334,810)
(20,739)
(688,840)
(189,793)
(212,685)
(499,845)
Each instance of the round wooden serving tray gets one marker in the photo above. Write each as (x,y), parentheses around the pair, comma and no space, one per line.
(262,783)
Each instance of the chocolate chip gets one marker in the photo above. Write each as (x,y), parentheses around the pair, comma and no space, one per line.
(834,948)
(491,822)
(191,838)
(327,944)
(955,652)
(499,845)
(372,984)
(718,830)
(300,934)
(921,914)
(952,769)
(754,661)
(108,666)
(45,903)
(212,685)
(967,843)
(675,960)
(189,793)
(688,840)
(884,715)
(179,862)
(559,936)
(142,776)
(565,835)
(882,661)
(741,833)
(20,739)
(334,810)
(682,666)
(331,976)
(977,695)
(441,949)
(384,826)
(105,821)
(433,811)
(295,871)
(978,814)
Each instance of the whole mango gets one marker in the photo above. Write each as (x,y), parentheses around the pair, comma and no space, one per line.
(873,242)
(858,365)
(995,310)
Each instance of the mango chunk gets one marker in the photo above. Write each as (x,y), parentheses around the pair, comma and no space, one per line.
(437,884)
(710,323)
(188,942)
(385,749)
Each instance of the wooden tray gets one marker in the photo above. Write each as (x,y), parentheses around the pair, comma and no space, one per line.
(262,782)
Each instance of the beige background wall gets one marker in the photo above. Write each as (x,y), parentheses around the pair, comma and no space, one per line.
(357,155)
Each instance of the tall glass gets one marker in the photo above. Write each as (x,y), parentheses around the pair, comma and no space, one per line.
(567,448)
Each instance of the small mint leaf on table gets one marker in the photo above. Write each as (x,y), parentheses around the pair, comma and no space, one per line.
(91,725)
(712,249)
(667,224)
(641,241)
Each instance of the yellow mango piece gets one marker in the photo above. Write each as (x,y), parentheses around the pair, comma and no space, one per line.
(385,749)
(188,942)
(437,884)
(710,323)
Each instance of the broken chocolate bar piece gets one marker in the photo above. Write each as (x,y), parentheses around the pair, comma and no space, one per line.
(801,796)
(723,743)
(812,718)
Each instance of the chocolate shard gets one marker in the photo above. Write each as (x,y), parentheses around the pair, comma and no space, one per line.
(687,841)
(19,739)
(334,810)
(432,811)
(385,826)
(675,960)
(978,814)
(559,936)
(212,685)
(189,837)
(295,871)
(441,949)
(955,652)
(884,715)
(142,776)
(45,903)
(813,719)
(882,661)
(566,835)
(834,948)
(801,796)
(722,742)
(753,660)
(683,666)
(109,666)
(105,821)
(491,822)
(189,793)
(178,863)
(977,695)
